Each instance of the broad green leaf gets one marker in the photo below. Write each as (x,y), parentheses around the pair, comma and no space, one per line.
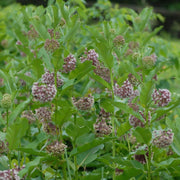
(143,135)
(31,151)
(15,132)
(17,111)
(123,128)
(81,70)
(40,28)
(4,162)
(107,104)
(29,166)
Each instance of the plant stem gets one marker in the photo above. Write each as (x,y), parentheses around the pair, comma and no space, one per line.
(75,157)
(64,168)
(149,162)
(7,119)
(113,123)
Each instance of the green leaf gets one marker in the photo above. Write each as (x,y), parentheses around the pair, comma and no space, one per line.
(32,151)
(143,135)
(40,28)
(81,70)
(107,104)
(123,128)
(29,166)
(15,132)
(100,80)
(146,92)
(88,156)
(18,110)
(4,162)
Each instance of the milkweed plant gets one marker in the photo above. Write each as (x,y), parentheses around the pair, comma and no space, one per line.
(86,94)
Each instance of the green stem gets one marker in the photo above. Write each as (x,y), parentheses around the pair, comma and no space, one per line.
(69,172)
(64,168)
(7,119)
(75,157)
(149,163)
(113,123)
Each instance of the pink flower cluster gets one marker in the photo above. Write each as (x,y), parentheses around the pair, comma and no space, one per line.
(102,126)
(161,97)
(10,174)
(124,91)
(32,33)
(48,78)
(134,121)
(51,45)
(56,148)
(84,103)
(69,63)
(43,93)
(29,115)
(162,138)
(91,55)
(43,114)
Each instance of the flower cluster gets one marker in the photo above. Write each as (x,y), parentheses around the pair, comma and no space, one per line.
(91,55)
(43,114)
(56,148)
(6,101)
(69,63)
(52,34)
(134,121)
(141,157)
(132,104)
(11,174)
(133,80)
(133,45)
(162,138)
(119,40)
(32,33)
(3,146)
(161,97)
(84,103)
(29,115)
(43,93)
(124,91)
(149,61)
(48,78)
(51,45)
(49,128)
(103,72)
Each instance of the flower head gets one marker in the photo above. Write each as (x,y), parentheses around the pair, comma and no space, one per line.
(69,63)
(51,45)
(6,101)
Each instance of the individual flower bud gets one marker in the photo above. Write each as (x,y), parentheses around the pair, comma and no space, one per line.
(162,138)
(56,148)
(124,91)
(6,101)
(102,128)
(51,45)
(48,78)
(32,33)
(161,97)
(43,114)
(43,93)
(29,115)
(69,64)
(149,61)
(49,128)
(119,40)
(103,72)
(91,55)
(84,103)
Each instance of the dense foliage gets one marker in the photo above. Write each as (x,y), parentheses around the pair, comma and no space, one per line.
(87,93)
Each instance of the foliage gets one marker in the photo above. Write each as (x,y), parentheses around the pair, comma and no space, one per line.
(107,84)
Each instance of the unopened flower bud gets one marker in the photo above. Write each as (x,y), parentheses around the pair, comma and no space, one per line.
(149,61)
(6,101)
(51,45)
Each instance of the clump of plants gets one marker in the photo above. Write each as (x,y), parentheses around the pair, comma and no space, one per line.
(83,101)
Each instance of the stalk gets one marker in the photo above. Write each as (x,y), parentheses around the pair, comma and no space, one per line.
(113,124)
(149,162)
(75,157)
(7,119)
